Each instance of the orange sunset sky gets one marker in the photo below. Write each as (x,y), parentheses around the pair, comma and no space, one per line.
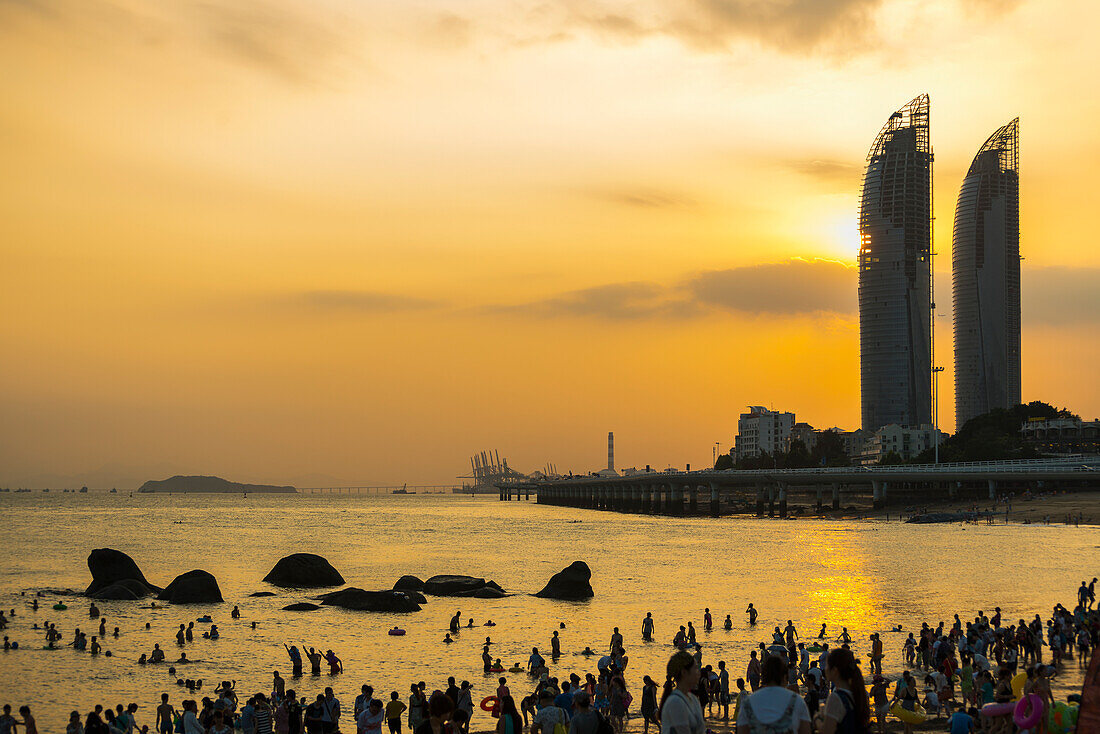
(355,241)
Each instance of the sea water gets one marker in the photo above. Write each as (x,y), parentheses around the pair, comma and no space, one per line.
(867,576)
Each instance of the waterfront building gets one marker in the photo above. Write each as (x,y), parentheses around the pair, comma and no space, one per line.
(1062,436)
(904,441)
(762,431)
(805,433)
(895,272)
(985,279)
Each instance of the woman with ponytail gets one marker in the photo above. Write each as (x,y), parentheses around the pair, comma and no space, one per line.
(680,709)
(847,710)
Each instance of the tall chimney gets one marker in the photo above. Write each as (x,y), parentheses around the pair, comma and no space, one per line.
(611,451)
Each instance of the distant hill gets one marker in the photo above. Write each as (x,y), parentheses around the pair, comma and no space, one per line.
(209,485)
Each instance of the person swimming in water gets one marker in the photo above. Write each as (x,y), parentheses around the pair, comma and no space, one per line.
(236,613)
(587,651)
(728,624)
(447,638)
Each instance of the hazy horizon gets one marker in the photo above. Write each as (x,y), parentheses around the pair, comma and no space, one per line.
(360,241)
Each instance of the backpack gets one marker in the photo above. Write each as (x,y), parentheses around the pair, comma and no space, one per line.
(782,725)
(560,727)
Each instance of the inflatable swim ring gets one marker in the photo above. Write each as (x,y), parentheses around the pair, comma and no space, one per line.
(496,669)
(515,669)
(1028,711)
(204,618)
(916,716)
(998,709)
(489,703)
(814,648)
(60,607)
(1062,718)
(1018,681)
(396,632)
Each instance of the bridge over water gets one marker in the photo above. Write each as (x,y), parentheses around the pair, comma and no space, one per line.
(678,493)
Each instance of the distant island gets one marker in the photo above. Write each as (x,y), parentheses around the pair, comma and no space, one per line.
(209,485)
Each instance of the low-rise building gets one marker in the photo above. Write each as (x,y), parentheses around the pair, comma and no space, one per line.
(805,433)
(904,441)
(762,431)
(1062,436)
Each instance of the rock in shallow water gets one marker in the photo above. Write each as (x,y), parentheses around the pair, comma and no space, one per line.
(572,583)
(125,590)
(193,587)
(409,583)
(304,570)
(109,566)
(302,606)
(448,585)
(370,601)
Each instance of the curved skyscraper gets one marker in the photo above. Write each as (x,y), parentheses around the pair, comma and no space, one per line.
(895,273)
(985,279)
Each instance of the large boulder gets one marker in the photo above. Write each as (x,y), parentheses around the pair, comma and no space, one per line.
(409,583)
(572,583)
(193,587)
(447,585)
(125,590)
(262,593)
(370,601)
(109,566)
(304,570)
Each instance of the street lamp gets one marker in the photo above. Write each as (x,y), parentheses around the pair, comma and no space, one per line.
(936,410)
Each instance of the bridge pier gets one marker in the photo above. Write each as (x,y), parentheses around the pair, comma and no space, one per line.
(647,499)
(693,498)
(759,499)
(953,489)
(782,499)
(877,493)
(836,495)
(676,506)
(820,498)
(714,500)
(771,501)
(992,489)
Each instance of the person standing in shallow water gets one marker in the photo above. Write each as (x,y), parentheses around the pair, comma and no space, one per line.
(647,627)
(295,659)
(751,611)
(314,658)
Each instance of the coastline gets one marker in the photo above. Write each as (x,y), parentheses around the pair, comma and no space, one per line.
(1058,507)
